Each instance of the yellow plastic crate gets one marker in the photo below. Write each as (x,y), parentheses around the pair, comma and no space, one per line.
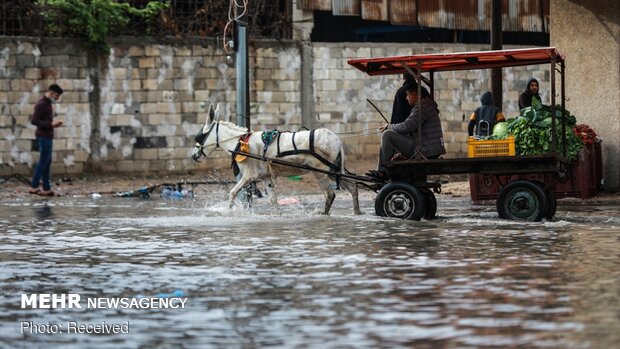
(498,147)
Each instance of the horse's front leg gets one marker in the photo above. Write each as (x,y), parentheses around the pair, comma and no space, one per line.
(270,187)
(243,181)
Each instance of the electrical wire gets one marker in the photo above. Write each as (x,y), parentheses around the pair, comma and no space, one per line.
(231,18)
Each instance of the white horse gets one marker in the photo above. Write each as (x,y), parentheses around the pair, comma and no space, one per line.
(325,153)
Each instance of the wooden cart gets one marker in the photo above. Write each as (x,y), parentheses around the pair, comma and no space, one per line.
(409,194)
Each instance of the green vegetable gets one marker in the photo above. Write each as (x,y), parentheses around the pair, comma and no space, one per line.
(500,130)
(534,137)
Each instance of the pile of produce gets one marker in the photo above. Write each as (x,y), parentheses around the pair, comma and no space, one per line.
(533,128)
(585,133)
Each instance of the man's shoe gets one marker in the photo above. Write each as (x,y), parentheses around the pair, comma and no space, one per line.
(380,175)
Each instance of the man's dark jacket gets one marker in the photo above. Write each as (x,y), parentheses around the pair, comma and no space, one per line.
(525,99)
(401,108)
(432,136)
(42,118)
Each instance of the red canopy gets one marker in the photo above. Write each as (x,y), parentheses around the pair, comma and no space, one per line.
(457,61)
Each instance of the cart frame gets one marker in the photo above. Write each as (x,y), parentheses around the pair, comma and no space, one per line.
(408,195)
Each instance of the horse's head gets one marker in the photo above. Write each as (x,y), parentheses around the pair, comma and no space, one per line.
(207,137)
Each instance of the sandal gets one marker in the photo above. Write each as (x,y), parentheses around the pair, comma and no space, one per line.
(47,193)
(34,191)
(380,175)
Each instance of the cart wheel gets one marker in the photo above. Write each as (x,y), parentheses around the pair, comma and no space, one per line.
(522,200)
(400,200)
(552,203)
(430,204)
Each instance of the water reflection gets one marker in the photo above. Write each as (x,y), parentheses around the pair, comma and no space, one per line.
(43,211)
(466,280)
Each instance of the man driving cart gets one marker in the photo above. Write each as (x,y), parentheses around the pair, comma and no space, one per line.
(400,139)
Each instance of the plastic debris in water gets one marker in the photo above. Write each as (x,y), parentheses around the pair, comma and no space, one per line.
(176,194)
(294,178)
(288,201)
(142,192)
(96,195)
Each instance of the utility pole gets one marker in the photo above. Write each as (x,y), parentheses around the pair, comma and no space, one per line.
(496,44)
(243,84)
(242,66)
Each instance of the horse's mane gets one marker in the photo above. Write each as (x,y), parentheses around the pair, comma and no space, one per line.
(233,126)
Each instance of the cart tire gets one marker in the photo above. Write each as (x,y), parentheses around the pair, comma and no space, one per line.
(522,200)
(552,203)
(430,204)
(400,200)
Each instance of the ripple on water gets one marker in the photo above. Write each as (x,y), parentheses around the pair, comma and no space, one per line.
(297,279)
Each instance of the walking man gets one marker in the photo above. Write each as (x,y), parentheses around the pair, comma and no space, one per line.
(42,118)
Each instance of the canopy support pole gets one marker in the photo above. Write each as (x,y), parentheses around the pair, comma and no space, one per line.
(496,44)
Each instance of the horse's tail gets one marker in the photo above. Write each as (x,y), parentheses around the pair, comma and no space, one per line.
(341,157)
(340,160)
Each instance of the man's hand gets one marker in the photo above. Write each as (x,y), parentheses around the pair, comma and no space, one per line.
(383,127)
(56,123)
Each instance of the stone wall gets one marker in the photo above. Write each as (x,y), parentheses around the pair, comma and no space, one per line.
(139,109)
(588,33)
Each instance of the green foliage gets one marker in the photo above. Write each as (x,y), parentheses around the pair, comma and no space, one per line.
(94,20)
(532,138)
(540,115)
(533,135)
(500,130)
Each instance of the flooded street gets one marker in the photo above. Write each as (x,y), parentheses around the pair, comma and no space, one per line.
(301,280)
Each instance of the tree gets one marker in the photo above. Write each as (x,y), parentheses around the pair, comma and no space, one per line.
(95,20)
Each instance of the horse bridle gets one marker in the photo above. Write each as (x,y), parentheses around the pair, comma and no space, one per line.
(206,135)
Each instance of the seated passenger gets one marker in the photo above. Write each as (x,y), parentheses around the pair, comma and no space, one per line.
(531,92)
(402,137)
(485,117)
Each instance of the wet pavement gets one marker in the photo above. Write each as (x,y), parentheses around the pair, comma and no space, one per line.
(300,280)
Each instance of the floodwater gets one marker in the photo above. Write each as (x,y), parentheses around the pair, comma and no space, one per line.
(301,280)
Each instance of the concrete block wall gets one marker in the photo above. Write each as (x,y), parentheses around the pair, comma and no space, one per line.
(27,67)
(592,71)
(153,101)
(153,98)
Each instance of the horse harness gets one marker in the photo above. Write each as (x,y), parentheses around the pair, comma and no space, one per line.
(200,137)
(268,137)
(309,151)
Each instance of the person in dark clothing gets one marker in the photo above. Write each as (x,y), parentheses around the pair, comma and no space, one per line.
(402,137)
(531,92)
(484,118)
(401,108)
(42,118)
